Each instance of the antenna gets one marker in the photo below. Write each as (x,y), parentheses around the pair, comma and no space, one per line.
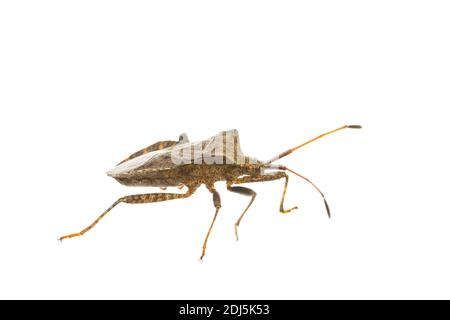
(285,153)
(281,167)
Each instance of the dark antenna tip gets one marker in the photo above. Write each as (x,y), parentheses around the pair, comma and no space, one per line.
(327,207)
(354,126)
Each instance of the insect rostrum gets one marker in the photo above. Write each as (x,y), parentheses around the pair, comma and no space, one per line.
(182,163)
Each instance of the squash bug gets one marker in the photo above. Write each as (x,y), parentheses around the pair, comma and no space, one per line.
(182,163)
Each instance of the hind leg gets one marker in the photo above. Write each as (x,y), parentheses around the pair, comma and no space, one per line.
(137,198)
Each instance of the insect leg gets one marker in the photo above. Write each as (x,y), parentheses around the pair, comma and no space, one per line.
(246,192)
(268,177)
(216,200)
(137,198)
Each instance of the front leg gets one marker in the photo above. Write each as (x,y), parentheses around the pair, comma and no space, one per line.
(268,177)
(251,193)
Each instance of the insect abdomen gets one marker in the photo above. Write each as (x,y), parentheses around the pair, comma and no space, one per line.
(149,182)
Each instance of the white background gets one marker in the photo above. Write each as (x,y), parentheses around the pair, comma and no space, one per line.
(84,84)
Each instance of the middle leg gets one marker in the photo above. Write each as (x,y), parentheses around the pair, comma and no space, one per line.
(246,192)
(217,204)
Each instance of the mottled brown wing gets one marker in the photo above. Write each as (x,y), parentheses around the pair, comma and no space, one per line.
(157,146)
(223,148)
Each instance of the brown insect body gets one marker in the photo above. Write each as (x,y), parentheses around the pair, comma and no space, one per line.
(154,166)
(182,163)
(187,174)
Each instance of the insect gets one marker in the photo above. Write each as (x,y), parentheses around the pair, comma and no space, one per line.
(182,163)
